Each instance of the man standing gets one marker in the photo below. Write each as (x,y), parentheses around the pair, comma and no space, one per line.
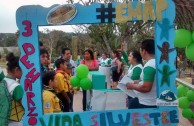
(146,88)
(66,55)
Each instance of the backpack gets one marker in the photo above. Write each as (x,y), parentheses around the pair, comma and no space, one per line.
(5,103)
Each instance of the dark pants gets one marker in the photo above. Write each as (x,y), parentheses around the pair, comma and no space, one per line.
(135,104)
(65,106)
(84,100)
(129,102)
(71,104)
(116,76)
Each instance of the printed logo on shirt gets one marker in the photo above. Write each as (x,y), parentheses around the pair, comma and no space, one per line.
(47,105)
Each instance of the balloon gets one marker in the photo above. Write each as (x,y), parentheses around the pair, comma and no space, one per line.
(187,113)
(74,81)
(182,91)
(190,51)
(184,102)
(190,95)
(82,71)
(183,38)
(86,84)
(193,36)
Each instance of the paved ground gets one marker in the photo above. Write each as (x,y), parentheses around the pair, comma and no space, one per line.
(183,121)
(77,106)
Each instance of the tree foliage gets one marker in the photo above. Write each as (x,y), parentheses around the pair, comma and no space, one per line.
(8,39)
(100,37)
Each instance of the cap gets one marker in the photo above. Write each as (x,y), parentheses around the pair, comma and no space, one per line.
(69,66)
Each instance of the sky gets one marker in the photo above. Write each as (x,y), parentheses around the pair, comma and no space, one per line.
(8,11)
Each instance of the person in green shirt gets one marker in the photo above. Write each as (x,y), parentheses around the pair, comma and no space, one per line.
(146,87)
(11,93)
(124,55)
(135,69)
(78,60)
(104,61)
(135,65)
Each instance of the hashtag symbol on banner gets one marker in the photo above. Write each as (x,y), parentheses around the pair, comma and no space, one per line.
(106,13)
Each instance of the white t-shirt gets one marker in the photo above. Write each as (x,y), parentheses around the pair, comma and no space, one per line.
(148,98)
(74,65)
(105,63)
(11,85)
(131,68)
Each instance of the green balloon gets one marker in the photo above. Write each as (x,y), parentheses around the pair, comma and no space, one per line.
(86,83)
(190,51)
(187,113)
(184,102)
(182,91)
(74,81)
(193,36)
(183,38)
(82,71)
(190,95)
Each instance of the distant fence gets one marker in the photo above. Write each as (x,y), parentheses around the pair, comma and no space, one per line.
(190,86)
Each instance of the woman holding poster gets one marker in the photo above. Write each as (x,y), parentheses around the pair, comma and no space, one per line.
(134,71)
(146,88)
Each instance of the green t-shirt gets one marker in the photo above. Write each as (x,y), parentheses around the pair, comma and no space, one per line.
(149,74)
(136,73)
(78,61)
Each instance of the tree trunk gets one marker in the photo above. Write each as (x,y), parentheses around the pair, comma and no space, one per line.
(106,43)
(51,46)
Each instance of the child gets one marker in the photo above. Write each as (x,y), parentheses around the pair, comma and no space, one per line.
(50,100)
(11,94)
(44,60)
(63,85)
(68,77)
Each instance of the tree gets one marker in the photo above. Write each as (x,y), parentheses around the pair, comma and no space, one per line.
(8,39)
(55,40)
(103,37)
(50,39)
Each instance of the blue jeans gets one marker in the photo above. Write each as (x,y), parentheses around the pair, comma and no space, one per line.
(134,104)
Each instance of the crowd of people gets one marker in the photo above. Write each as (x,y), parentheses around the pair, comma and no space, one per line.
(57,92)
